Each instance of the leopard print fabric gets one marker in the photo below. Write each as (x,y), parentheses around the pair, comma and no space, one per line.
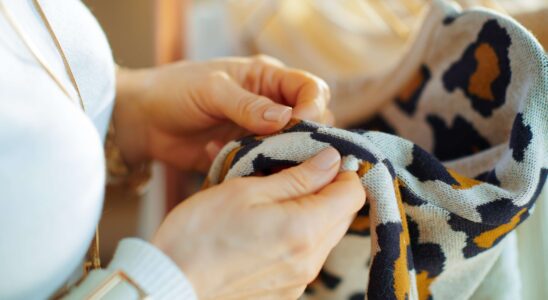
(459,164)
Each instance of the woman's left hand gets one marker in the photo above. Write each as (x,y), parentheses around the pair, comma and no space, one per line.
(183,113)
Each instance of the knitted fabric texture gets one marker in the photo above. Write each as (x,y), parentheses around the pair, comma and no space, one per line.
(460,163)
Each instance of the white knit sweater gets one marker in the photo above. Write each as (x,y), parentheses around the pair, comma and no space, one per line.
(52,172)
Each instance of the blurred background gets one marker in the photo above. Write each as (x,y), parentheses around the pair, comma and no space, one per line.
(343,41)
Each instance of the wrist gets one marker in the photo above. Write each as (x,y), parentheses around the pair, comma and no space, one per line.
(185,251)
(128,118)
(152,269)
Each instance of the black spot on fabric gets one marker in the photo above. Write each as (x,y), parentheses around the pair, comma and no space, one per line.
(541,183)
(413,229)
(248,143)
(448,20)
(455,141)
(345,147)
(408,101)
(410,261)
(494,214)
(381,279)
(264,166)
(497,212)
(426,167)
(329,280)
(408,197)
(357,296)
(302,126)
(520,138)
(460,74)
(390,168)
(489,177)
(363,212)
(427,257)
(472,230)
(309,290)
(377,123)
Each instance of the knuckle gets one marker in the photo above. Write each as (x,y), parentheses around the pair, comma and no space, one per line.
(297,180)
(325,89)
(246,103)
(260,57)
(301,238)
(266,60)
(214,82)
(217,76)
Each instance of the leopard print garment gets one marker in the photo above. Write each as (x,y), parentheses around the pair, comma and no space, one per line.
(460,164)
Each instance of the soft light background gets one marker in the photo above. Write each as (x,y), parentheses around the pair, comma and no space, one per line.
(219,28)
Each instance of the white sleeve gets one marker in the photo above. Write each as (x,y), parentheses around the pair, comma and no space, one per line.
(147,266)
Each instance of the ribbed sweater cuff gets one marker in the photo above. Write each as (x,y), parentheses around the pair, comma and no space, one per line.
(149,267)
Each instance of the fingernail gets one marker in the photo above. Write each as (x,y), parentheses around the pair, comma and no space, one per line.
(277,113)
(326,159)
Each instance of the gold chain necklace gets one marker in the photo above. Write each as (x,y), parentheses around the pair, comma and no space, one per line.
(93,261)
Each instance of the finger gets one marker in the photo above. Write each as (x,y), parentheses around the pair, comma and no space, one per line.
(301,180)
(333,203)
(213,148)
(329,118)
(258,114)
(307,94)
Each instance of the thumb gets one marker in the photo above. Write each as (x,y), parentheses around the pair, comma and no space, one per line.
(302,180)
(253,112)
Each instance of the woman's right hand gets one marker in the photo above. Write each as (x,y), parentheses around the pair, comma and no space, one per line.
(262,237)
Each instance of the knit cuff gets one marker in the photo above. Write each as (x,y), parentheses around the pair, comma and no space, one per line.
(152,270)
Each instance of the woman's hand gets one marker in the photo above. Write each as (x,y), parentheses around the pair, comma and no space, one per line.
(262,237)
(183,113)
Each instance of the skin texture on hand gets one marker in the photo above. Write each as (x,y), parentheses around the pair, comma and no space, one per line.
(262,237)
(183,113)
(247,238)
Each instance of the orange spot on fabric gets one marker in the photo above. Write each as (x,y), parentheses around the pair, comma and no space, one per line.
(488,238)
(411,87)
(262,137)
(364,167)
(360,223)
(206,183)
(291,124)
(228,162)
(464,182)
(487,71)
(401,272)
(423,285)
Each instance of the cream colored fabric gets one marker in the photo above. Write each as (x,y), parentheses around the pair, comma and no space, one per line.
(438,47)
(349,43)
